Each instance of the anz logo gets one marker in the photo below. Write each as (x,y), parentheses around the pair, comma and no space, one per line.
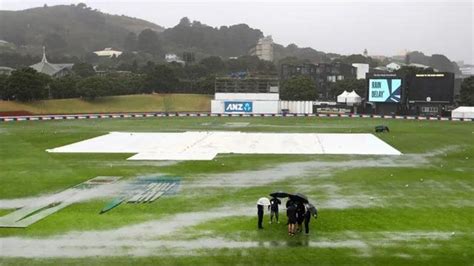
(242,107)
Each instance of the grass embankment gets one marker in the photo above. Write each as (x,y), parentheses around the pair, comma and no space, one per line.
(126,103)
(433,198)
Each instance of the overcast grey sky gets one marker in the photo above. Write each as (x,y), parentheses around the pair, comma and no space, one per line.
(346,27)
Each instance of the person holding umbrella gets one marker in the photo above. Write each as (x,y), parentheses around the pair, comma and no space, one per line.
(274,202)
(260,216)
(260,206)
(298,199)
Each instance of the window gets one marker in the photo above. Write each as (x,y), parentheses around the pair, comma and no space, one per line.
(332,78)
(429,109)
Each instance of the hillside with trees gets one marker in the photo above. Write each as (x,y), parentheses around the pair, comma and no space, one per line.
(70,30)
(436,61)
(25,84)
(73,32)
(293,51)
(226,41)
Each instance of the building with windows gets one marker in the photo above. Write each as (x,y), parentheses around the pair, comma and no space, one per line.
(322,74)
(362,69)
(467,70)
(264,49)
(249,95)
(247,85)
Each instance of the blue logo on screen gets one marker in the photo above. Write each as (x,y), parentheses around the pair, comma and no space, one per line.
(385,90)
(245,107)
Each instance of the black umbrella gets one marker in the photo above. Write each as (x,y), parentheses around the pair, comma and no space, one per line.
(299,198)
(279,194)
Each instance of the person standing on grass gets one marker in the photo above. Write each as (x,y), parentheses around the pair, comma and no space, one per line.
(307,219)
(291,213)
(273,207)
(260,215)
(300,214)
(289,202)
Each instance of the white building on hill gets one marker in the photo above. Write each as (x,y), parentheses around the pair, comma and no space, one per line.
(174,58)
(393,66)
(362,69)
(108,52)
(264,49)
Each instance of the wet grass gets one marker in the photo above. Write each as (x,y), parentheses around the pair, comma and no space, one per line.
(336,223)
(438,198)
(296,254)
(124,103)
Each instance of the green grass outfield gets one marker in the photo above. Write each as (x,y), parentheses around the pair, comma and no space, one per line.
(126,103)
(373,210)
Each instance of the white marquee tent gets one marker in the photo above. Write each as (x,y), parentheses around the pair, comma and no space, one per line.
(463,112)
(341,98)
(349,97)
(353,97)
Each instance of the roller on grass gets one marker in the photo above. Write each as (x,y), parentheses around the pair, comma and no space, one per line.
(114,203)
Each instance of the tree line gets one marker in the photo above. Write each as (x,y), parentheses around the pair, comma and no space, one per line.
(84,82)
(25,84)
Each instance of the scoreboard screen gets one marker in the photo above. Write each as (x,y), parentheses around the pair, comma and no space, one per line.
(385,90)
(437,87)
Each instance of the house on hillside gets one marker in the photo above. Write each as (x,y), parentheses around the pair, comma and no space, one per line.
(53,70)
(4,43)
(6,70)
(174,58)
(422,66)
(396,66)
(393,66)
(108,52)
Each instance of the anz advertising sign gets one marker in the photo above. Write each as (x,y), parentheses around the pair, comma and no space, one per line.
(385,90)
(238,107)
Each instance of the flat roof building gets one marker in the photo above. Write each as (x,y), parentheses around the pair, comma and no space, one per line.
(108,52)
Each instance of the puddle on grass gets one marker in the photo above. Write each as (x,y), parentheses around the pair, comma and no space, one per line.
(142,163)
(143,239)
(108,190)
(281,172)
(290,171)
(236,124)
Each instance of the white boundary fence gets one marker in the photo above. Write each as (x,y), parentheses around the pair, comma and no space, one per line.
(179,114)
(297,107)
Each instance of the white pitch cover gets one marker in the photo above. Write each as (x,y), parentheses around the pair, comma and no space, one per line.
(205,145)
